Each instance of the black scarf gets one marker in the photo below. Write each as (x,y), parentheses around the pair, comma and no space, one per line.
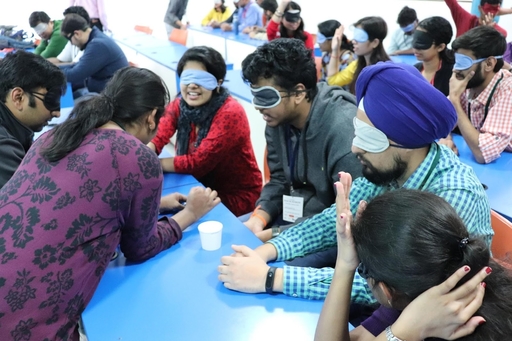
(199,116)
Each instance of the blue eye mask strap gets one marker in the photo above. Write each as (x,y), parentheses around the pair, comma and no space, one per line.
(199,77)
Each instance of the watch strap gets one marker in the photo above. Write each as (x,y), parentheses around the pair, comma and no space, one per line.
(390,336)
(269,282)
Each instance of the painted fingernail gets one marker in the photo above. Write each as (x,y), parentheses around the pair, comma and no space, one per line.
(483,284)
(488,270)
(466,268)
(481,322)
(342,216)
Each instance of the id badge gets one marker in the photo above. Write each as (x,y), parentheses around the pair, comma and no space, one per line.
(292,208)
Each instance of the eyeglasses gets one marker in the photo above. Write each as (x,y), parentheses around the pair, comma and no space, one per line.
(363,271)
(51,100)
(70,36)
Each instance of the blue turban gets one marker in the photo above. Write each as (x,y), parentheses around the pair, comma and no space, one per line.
(403,105)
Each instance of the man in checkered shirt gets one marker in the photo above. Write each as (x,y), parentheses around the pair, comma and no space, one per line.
(481,92)
(399,119)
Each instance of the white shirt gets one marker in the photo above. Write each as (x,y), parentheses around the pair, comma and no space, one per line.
(400,41)
(70,54)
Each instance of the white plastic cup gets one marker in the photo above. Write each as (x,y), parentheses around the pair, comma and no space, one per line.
(211,235)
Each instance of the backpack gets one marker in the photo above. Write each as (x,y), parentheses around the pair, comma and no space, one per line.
(15,39)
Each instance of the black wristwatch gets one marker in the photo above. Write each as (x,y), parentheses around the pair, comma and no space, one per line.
(269,282)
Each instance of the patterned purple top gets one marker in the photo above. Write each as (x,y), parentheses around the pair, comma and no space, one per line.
(60,224)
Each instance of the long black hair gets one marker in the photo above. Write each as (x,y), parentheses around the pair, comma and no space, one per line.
(441,30)
(414,240)
(127,98)
(223,7)
(299,32)
(376,28)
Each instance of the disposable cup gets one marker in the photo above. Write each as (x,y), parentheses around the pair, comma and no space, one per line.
(210,233)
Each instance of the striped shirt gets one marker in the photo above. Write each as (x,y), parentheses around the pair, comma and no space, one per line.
(496,127)
(449,179)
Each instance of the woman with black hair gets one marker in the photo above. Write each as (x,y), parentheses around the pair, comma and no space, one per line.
(430,43)
(324,37)
(213,141)
(287,23)
(407,244)
(369,33)
(82,189)
(217,15)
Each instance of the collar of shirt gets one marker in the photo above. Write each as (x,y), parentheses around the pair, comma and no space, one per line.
(418,176)
(484,95)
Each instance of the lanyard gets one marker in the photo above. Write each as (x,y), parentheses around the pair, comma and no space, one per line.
(486,110)
(293,152)
(432,167)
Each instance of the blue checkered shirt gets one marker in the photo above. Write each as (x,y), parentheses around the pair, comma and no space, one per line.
(450,179)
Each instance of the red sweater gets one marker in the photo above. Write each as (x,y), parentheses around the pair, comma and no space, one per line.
(464,21)
(273,33)
(225,158)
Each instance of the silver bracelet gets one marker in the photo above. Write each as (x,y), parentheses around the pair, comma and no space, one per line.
(390,336)
(275,231)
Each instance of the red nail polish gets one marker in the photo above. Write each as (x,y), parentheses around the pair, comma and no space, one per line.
(342,216)
(488,270)
(481,322)
(483,284)
(466,268)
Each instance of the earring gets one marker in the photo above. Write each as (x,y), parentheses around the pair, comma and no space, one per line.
(389,302)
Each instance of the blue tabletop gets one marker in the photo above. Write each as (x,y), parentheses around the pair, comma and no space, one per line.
(168,56)
(138,40)
(241,38)
(174,180)
(495,175)
(176,296)
(235,84)
(405,58)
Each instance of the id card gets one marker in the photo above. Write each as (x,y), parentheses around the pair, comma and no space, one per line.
(292,208)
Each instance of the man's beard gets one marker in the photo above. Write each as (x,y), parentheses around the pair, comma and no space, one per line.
(383,178)
(477,79)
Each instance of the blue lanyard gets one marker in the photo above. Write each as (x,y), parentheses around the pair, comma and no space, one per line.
(292,156)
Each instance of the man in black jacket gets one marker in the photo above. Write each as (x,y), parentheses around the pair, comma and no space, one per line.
(30,92)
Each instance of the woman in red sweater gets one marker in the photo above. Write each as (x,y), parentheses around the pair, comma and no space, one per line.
(213,141)
(287,23)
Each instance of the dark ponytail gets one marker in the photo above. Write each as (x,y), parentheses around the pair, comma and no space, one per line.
(127,99)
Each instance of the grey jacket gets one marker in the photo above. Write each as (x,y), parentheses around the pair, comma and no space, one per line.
(15,140)
(175,11)
(324,150)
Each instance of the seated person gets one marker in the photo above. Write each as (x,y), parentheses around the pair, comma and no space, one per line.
(269,7)
(71,54)
(507,57)
(52,43)
(304,120)
(249,14)
(230,19)
(369,33)
(401,40)
(481,92)
(102,57)
(218,14)
(29,100)
(405,243)
(324,37)
(430,43)
(213,136)
(399,119)
(464,21)
(85,187)
(287,23)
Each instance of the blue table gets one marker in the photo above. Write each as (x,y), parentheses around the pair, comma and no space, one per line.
(495,175)
(177,296)
(235,84)
(405,58)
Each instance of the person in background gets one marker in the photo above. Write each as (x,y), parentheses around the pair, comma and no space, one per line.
(324,36)
(430,43)
(218,14)
(230,19)
(269,7)
(369,33)
(507,57)
(85,187)
(102,57)
(249,14)
(464,21)
(287,23)
(481,92)
(304,120)
(175,12)
(52,43)
(405,243)
(213,136)
(401,40)
(30,92)
(96,10)
(71,53)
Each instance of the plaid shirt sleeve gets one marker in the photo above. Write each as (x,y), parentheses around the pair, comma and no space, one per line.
(496,132)
(313,284)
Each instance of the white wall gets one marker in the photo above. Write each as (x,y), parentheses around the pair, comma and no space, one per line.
(124,15)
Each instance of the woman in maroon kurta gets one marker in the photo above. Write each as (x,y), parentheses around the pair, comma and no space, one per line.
(81,190)
(213,134)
